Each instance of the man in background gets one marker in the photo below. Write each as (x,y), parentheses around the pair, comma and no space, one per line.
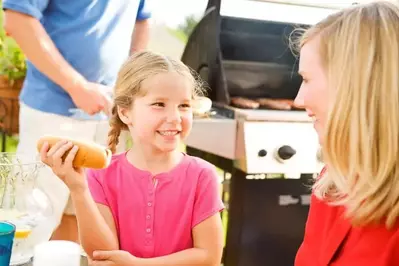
(74,50)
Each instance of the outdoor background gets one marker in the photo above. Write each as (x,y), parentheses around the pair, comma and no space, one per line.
(171,24)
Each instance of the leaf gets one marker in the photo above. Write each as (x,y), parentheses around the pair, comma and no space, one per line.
(12,59)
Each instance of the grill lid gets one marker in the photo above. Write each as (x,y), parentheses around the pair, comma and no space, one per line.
(242,57)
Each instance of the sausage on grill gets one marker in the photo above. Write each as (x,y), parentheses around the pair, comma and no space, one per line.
(244,103)
(277,104)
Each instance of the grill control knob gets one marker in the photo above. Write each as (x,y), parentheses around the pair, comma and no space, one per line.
(285,152)
(262,153)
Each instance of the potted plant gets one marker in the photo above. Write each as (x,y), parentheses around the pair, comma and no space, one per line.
(12,74)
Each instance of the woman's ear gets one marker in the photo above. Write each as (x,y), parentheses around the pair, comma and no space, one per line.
(125,115)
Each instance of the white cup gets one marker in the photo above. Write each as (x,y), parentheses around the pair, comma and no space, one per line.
(57,253)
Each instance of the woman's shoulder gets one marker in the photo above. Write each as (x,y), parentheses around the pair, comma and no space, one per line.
(328,226)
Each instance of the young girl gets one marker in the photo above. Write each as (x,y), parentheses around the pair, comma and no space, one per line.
(153,205)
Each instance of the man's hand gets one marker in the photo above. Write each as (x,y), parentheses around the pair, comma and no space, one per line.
(113,258)
(92,98)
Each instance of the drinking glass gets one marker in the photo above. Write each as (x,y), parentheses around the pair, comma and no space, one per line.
(7,232)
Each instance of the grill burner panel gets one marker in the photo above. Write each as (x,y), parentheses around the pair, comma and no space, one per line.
(245,141)
(277,139)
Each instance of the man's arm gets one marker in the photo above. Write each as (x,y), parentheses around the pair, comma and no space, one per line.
(22,22)
(141,36)
(37,46)
(141,32)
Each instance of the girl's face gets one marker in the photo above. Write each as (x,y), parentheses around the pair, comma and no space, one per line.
(163,117)
(313,93)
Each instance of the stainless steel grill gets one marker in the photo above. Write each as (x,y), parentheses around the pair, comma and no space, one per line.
(251,59)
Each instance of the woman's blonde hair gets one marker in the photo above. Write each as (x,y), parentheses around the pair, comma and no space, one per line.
(139,67)
(359,49)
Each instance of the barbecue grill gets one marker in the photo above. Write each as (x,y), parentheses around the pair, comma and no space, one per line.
(254,132)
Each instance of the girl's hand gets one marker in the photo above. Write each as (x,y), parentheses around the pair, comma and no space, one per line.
(60,158)
(114,258)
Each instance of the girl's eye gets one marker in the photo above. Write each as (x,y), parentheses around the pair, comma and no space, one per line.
(159,104)
(186,105)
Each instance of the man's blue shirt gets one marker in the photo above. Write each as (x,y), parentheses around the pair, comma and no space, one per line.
(94,36)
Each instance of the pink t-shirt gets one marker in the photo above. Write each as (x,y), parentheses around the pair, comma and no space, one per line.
(156,220)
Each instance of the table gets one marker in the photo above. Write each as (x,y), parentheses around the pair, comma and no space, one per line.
(83,262)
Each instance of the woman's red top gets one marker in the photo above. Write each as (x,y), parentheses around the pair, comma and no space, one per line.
(331,240)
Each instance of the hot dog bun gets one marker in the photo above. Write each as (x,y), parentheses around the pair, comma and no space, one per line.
(89,155)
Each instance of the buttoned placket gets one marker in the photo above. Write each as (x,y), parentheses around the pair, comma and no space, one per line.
(149,216)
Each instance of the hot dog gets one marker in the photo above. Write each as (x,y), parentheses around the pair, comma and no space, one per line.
(89,155)
(277,104)
(244,103)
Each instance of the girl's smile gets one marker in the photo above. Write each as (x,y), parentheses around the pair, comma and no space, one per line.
(162,116)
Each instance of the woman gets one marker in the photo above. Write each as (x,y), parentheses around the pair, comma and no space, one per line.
(350,68)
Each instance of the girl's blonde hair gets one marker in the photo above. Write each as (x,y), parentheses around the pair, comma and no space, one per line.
(359,49)
(139,67)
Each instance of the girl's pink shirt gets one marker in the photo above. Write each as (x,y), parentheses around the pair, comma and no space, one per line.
(157,219)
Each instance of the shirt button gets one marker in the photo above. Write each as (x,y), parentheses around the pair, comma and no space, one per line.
(148,230)
(148,217)
(149,204)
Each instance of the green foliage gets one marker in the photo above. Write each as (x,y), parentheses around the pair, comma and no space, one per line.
(178,34)
(11,143)
(12,60)
(188,25)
